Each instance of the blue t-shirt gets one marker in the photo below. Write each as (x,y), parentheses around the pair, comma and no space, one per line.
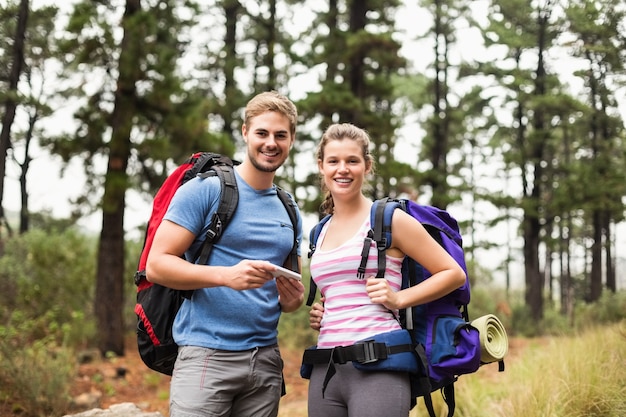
(260,229)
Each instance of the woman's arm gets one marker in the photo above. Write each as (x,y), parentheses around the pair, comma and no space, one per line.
(411,238)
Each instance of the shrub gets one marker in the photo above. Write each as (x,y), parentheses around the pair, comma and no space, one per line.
(133,250)
(610,308)
(38,375)
(42,272)
(46,298)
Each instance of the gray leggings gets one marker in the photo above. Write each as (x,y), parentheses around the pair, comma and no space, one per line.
(354,393)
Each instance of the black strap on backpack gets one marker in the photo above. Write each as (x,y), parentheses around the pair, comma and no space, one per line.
(290,205)
(378,229)
(222,167)
(313,235)
(225,211)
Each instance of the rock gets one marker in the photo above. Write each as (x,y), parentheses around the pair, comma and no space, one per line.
(117,410)
(87,400)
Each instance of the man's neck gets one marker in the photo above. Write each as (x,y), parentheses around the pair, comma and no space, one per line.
(259,180)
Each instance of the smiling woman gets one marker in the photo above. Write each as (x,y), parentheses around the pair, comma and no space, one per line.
(360,303)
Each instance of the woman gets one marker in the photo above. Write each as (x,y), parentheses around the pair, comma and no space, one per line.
(356,309)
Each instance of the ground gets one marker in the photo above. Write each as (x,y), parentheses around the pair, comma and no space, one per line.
(127,379)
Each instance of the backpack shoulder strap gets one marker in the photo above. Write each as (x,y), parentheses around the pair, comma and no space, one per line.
(229,198)
(313,236)
(290,205)
(203,162)
(380,223)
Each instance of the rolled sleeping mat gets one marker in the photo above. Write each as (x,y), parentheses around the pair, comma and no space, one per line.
(494,343)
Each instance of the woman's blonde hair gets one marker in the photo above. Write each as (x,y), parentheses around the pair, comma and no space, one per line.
(341,131)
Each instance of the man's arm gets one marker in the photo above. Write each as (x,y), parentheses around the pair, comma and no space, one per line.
(167,267)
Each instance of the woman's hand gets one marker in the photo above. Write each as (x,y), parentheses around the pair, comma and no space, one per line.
(315,315)
(380,292)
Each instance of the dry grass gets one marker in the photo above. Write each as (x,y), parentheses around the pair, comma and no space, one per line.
(544,377)
(581,376)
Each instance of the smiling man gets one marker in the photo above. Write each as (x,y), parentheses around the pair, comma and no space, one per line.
(228,361)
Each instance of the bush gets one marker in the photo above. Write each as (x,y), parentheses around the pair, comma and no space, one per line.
(44,272)
(39,376)
(46,298)
(133,250)
(609,309)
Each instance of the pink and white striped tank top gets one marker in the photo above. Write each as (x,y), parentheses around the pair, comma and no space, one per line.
(349,314)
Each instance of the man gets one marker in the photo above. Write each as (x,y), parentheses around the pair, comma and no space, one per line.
(228,361)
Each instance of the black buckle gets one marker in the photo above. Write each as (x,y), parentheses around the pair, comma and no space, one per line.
(215,229)
(139,275)
(366,352)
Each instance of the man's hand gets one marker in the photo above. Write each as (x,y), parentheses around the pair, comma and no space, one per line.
(290,293)
(247,275)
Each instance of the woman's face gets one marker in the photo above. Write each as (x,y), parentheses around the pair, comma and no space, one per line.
(343,168)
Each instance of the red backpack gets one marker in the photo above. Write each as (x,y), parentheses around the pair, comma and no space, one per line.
(157,305)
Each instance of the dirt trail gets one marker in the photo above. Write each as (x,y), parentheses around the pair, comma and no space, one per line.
(127,379)
(150,390)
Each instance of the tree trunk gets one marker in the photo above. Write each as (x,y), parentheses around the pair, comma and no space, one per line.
(232,10)
(24,212)
(10,105)
(611,281)
(440,145)
(110,274)
(357,21)
(548,276)
(532,223)
(532,270)
(566,273)
(595,285)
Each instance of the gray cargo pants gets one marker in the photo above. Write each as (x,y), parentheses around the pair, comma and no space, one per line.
(211,383)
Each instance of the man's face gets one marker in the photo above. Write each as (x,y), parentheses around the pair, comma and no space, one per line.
(268,140)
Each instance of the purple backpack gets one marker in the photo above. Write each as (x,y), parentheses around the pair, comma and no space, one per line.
(446,344)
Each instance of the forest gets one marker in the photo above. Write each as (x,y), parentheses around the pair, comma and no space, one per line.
(509,114)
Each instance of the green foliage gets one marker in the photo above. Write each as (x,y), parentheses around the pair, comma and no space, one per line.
(294,331)
(494,301)
(46,298)
(609,309)
(36,377)
(47,273)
